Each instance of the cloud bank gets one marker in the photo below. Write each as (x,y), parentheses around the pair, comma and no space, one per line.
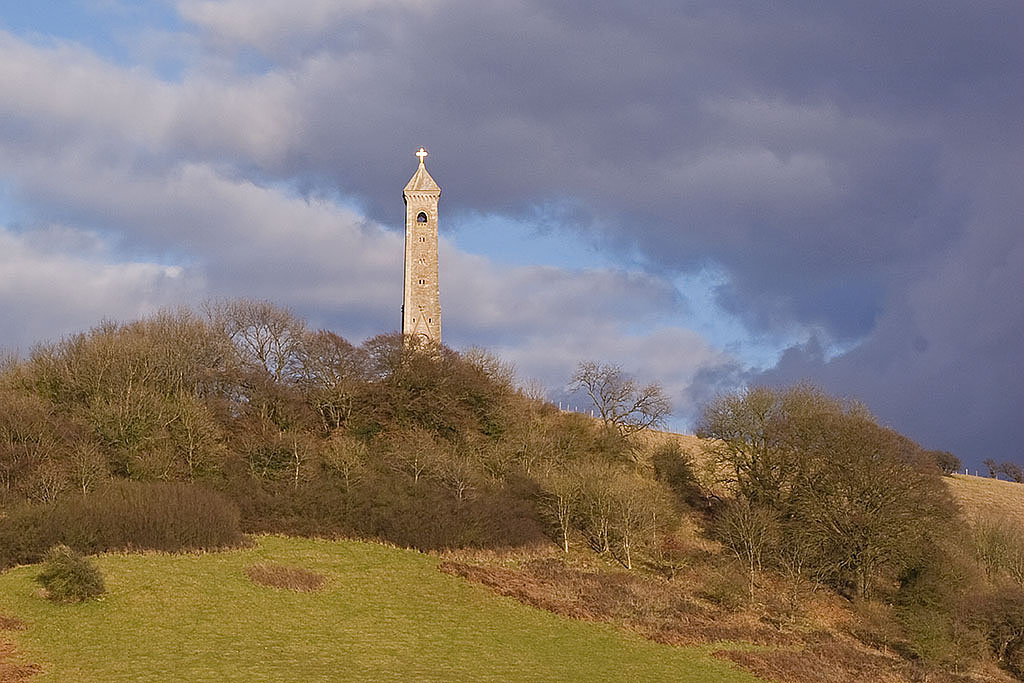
(853,172)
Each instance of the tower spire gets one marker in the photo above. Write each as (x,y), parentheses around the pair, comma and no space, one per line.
(421,308)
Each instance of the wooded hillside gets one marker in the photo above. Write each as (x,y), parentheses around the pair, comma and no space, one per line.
(185,429)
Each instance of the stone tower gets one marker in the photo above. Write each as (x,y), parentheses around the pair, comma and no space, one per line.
(421,307)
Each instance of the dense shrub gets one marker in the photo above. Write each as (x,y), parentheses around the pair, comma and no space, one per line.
(170,516)
(675,468)
(1000,617)
(389,506)
(69,577)
(946,461)
(862,501)
(123,516)
(25,534)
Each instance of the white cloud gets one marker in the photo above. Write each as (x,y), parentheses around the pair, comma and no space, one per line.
(58,281)
(165,189)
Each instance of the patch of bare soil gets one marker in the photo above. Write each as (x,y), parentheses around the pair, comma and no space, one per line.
(10,623)
(289,578)
(12,671)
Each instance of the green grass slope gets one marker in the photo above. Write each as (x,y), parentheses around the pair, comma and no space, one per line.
(385,614)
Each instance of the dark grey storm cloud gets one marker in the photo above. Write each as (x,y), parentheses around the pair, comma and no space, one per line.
(813,149)
(845,163)
(854,169)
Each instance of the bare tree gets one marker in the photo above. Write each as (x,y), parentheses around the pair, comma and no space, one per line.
(347,457)
(413,451)
(265,336)
(750,531)
(999,547)
(502,373)
(597,503)
(195,436)
(636,503)
(88,466)
(560,500)
(456,470)
(621,403)
(1012,470)
(331,371)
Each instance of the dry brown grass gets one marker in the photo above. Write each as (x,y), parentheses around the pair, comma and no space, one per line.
(836,661)
(688,442)
(987,497)
(11,670)
(793,633)
(10,623)
(658,609)
(289,578)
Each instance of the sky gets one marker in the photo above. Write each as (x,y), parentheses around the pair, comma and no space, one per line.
(710,193)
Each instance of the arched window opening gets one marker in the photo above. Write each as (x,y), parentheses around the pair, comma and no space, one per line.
(421,218)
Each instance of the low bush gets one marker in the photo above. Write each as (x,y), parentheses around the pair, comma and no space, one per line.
(726,587)
(25,534)
(423,515)
(125,515)
(69,577)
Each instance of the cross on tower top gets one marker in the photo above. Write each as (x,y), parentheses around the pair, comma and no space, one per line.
(422,154)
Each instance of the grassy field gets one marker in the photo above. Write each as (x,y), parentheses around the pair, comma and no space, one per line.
(385,614)
(991,497)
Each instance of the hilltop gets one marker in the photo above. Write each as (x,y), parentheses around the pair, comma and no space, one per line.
(978,497)
(833,544)
(987,497)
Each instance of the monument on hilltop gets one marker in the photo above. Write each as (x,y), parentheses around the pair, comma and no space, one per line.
(421,307)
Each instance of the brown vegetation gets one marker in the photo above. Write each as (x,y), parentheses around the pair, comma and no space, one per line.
(834,662)
(817,639)
(289,578)
(12,670)
(125,515)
